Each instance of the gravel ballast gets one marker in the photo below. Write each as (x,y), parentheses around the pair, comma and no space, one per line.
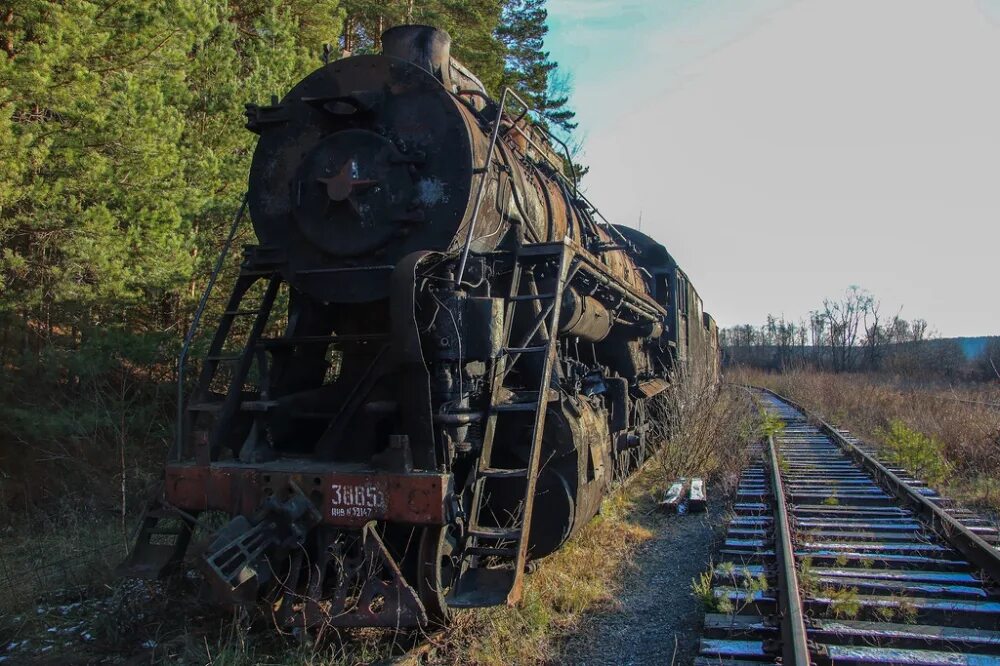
(657,619)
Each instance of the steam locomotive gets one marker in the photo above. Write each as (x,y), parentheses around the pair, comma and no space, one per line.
(432,367)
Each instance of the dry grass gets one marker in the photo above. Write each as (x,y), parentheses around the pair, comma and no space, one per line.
(915,420)
(584,576)
(706,428)
(51,568)
(66,555)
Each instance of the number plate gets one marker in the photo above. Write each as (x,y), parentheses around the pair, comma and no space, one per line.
(365,500)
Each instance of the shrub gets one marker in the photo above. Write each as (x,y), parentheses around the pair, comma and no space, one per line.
(915,451)
(771,424)
(705,427)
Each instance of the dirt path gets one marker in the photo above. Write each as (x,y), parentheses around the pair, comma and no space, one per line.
(657,620)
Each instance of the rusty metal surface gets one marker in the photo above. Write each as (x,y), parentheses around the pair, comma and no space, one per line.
(403,190)
(352,581)
(349,498)
(397,206)
(584,317)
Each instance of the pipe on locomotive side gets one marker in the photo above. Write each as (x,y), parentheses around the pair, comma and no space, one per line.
(585,317)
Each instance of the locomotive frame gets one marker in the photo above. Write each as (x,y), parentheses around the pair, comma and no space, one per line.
(464,363)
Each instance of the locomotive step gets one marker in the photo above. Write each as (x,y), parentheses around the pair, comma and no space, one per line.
(166,531)
(542,249)
(259,272)
(481,587)
(526,350)
(223,357)
(246,406)
(258,405)
(525,401)
(515,407)
(291,341)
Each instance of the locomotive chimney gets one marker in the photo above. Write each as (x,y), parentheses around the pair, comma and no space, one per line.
(424,46)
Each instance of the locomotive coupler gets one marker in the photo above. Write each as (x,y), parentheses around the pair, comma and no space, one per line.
(236,562)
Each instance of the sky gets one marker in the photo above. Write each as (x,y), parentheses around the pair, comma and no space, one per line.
(783,150)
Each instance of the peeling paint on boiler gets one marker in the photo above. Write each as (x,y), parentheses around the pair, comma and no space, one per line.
(431,191)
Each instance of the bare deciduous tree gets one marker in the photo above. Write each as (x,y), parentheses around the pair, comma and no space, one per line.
(844,320)
(852,333)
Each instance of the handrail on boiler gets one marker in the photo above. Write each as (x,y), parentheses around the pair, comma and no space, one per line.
(483,174)
(557,170)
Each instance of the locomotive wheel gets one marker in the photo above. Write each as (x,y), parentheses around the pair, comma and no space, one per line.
(437,571)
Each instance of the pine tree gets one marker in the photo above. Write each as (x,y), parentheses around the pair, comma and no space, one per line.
(123,125)
(125,156)
(529,70)
(470,23)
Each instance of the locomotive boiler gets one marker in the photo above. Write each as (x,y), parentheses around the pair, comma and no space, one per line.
(433,365)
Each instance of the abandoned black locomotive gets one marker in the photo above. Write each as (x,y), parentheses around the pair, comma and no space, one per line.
(433,365)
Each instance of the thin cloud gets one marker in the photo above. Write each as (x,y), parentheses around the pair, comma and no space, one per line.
(786,152)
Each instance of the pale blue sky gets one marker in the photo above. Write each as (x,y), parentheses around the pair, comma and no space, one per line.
(785,149)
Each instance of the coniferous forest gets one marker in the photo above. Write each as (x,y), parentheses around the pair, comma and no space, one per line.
(124,158)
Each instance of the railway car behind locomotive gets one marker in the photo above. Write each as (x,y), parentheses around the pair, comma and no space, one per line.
(433,365)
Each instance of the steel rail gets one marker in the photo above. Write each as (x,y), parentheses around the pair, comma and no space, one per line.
(794,640)
(964,540)
(918,577)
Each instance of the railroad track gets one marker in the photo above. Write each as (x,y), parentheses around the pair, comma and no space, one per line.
(835,557)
